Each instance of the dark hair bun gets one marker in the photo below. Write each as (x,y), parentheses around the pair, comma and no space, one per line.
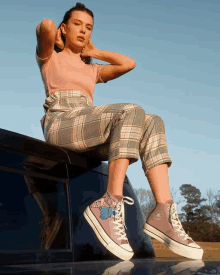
(80,5)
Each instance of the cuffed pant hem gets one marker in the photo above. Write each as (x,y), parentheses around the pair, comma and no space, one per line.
(132,158)
(168,161)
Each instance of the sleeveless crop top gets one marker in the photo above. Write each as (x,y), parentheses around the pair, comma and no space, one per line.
(62,72)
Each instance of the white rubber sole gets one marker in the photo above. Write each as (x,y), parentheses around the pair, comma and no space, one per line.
(181,249)
(104,238)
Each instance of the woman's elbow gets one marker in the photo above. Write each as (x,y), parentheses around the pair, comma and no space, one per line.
(132,65)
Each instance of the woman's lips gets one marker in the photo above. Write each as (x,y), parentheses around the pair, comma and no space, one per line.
(80,38)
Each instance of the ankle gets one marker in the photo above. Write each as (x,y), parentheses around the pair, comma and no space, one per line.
(115,193)
(163,201)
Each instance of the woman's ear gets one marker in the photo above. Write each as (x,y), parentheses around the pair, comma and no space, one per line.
(63,28)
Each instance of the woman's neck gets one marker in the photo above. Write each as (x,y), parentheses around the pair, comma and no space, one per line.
(71,53)
(72,56)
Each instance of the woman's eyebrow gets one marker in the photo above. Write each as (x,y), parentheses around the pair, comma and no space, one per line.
(81,22)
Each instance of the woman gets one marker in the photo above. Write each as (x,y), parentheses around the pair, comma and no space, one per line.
(72,121)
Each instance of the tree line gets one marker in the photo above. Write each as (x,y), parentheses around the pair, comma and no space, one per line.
(200,220)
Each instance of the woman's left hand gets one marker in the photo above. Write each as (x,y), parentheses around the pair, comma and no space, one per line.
(89,49)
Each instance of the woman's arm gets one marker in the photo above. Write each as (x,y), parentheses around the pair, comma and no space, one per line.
(114,58)
(120,64)
(47,34)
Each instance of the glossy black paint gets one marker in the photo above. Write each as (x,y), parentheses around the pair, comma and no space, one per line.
(67,182)
(77,251)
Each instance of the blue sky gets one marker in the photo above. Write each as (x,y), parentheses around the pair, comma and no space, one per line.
(176,46)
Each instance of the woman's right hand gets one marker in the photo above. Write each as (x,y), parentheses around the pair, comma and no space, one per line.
(58,40)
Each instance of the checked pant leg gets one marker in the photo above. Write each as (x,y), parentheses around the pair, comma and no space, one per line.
(153,145)
(125,128)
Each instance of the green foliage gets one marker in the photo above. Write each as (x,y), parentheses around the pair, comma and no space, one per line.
(193,197)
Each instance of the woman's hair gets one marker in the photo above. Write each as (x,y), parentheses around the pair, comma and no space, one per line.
(67,16)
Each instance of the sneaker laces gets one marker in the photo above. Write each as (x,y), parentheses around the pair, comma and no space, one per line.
(176,222)
(119,219)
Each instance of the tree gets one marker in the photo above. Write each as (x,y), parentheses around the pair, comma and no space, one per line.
(147,201)
(193,197)
(216,207)
(200,220)
(214,203)
(218,200)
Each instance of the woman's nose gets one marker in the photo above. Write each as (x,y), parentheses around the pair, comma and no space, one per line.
(83,29)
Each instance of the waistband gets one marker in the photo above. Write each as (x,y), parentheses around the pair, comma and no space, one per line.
(63,101)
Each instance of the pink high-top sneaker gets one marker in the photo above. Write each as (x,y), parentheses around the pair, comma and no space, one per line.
(164,225)
(106,217)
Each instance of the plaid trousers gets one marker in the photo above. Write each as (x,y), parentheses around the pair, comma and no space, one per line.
(108,132)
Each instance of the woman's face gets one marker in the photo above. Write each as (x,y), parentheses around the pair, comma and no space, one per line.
(80,24)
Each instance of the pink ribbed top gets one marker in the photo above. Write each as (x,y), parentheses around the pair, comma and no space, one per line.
(62,72)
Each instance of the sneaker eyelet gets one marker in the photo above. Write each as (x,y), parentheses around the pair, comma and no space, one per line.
(114,203)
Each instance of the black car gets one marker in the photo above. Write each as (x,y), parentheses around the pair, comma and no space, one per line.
(45,184)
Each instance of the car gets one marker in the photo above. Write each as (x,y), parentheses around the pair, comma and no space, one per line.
(44,192)
(37,177)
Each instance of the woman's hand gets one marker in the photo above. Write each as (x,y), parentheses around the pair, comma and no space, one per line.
(89,49)
(58,40)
